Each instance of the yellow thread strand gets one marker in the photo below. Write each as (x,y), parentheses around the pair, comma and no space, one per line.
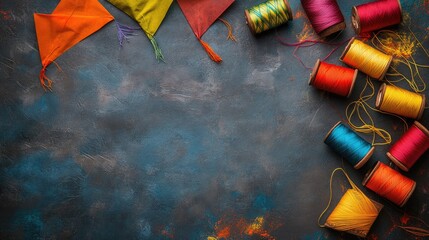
(403,47)
(367,59)
(360,120)
(355,212)
(402,102)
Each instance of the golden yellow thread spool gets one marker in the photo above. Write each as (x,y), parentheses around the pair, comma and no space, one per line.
(355,212)
(268,15)
(366,58)
(401,102)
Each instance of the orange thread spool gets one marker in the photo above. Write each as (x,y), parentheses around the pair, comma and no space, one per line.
(389,183)
(332,78)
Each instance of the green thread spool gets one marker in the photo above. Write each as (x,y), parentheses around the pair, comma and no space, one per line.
(268,15)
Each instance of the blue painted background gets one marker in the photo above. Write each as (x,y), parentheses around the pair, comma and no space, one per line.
(129,148)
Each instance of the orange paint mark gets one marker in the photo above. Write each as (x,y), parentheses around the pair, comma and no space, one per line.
(299,14)
(224,232)
(405,218)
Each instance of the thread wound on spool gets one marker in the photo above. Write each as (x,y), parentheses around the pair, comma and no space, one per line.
(268,15)
(376,15)
(399,101)
(325,16)
(332,78)
(366,59)
(349,145)
(410,147)
(355,212)
(389,184)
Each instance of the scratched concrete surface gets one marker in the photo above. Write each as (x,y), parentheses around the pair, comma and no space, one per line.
(129,148)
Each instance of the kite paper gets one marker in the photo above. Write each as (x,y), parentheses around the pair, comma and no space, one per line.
(149,14)
(70,22)
(201,14)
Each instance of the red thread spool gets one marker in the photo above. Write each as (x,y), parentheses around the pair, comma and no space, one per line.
(389,183)
(325,16)
(410,147)
(333,78)
(376,15)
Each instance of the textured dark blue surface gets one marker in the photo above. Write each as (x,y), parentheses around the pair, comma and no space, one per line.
(129,148)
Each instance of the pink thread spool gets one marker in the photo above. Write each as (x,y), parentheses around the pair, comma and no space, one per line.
(376,15)
(325,16)
(410,147)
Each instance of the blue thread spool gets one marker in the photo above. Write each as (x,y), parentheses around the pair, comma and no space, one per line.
(349,145)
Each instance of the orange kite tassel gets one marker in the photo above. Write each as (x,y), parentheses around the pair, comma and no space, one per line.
(44,80)
(212,54)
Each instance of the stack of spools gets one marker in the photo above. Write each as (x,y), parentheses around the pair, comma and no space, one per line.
(355,213)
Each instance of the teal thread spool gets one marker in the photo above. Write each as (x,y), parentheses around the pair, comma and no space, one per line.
(349,145)
(268,15)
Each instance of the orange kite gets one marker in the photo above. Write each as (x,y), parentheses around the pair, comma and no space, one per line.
(70,22)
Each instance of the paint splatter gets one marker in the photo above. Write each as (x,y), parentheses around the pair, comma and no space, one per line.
(306,33)
(397,44)
(233,227)
(6,14)
(405,218)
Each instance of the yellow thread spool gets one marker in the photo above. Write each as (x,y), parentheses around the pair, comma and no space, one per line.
(401,102)
(355,212)
(268,15)
(366,58)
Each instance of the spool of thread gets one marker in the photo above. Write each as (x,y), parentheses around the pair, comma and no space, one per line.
(401,102)
(349,145)
(333,78)
(355,212)
(268,15)
(325,16)
(376,15)
(389,183)
(410,147)
(366,59)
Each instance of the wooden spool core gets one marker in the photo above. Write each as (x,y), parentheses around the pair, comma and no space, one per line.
(252,26)
(371,172)
(333,29)
(380,98)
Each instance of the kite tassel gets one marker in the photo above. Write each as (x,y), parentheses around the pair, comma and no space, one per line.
(157,49)
(125,32)
(212,54)
(44,80)
(229,27)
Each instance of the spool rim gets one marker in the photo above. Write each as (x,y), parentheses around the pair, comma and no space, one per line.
(387,68)
(400,9)
(397,162)
(353,82)
(365,159)
(330,131)
(347,49)
(371,172)
(422,107)
(333,29)
(314,72)
(380,96)
(248,22)
(409,194)
(422,128)
(356,20)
